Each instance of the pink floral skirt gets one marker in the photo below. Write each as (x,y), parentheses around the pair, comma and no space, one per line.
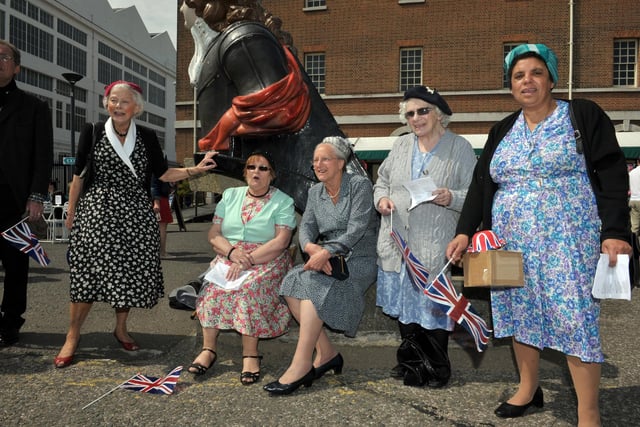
(256,308)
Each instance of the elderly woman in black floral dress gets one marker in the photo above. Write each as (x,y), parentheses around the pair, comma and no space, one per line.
(114,254)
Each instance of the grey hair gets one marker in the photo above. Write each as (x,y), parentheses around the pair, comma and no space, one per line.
(137,97)
(340,145)
(444,118)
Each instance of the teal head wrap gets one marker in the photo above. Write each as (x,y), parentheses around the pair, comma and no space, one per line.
(547,55)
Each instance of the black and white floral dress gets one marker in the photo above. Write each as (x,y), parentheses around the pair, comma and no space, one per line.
(114,252)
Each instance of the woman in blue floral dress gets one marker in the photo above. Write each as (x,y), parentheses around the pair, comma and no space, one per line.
(560,202)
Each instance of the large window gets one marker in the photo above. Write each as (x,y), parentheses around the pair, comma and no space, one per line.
(314,65)
(625,62)
(29,38)
(109,52)
(156,96)
(135,66)
(410,68)
(108,73)
(506,48)
(139,81)
(157,78)
(34,78)
(72,57)
(72,32)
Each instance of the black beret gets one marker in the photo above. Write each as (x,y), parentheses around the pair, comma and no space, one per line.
(428,95)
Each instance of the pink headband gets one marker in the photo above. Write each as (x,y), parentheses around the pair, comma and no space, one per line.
(132,85)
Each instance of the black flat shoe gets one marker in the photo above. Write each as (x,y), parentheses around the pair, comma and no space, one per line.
(198,369)
(507,410)
(336,364)
(277,388)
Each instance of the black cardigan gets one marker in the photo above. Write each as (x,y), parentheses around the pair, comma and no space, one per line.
(606,166)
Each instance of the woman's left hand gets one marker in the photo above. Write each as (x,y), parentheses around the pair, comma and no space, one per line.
(318,259)
(207,162)
(613,247)
(443,196)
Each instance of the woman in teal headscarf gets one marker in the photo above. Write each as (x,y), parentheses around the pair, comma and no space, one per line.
(561,203)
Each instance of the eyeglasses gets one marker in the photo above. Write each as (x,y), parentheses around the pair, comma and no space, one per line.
(323,160)
(6,58)
(261,168)
(421,112)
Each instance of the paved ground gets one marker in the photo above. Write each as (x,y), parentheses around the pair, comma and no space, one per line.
(33,393)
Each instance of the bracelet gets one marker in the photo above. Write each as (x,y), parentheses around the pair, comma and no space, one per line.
(233,248)
(189,172)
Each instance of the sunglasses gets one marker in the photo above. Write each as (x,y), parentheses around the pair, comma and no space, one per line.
(421,112)
(261,168)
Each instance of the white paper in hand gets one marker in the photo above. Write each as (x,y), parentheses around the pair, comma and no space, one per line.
(612,282)
(421,190)
(218,273)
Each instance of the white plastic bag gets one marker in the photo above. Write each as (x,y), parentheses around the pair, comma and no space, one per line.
(612,282)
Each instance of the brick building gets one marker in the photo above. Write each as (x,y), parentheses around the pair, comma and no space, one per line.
(362,54)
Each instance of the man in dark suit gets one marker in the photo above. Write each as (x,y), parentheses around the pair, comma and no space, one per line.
(26,156)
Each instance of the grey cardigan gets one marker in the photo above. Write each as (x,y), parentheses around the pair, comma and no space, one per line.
(428,227)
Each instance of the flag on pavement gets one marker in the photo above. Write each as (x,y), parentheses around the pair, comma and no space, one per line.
(21,237)
(442,292)
(153,385)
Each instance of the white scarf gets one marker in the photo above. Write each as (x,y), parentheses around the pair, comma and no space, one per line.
(122,150)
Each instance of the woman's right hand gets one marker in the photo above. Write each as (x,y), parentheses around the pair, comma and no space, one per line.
(457,247)
(385,206)
(318,258)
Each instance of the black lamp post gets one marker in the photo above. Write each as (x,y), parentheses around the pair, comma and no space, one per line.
(72,79)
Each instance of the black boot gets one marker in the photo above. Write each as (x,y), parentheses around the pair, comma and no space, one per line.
(439,356)
(10,330)
(406,330)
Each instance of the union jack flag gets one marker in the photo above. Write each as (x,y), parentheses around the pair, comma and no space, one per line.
(153,385)
(418,273)
(485,240)
(442,292)
(21,237)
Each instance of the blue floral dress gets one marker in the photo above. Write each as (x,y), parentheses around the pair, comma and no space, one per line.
(545,207)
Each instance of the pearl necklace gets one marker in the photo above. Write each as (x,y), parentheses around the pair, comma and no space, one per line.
(121,135)
(333,196)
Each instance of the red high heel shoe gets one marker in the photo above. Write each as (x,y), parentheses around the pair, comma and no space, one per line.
(129,346)
(62,362)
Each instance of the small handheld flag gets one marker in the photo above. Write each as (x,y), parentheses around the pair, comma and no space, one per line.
(144,384)
(442,292)
(21,237)
(153,385)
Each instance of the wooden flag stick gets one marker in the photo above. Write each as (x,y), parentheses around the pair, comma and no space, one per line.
(109,392)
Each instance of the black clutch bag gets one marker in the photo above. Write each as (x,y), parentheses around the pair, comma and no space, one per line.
(339,269)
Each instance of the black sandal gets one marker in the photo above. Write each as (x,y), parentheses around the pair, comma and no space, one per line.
(248,378)
(200,369)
